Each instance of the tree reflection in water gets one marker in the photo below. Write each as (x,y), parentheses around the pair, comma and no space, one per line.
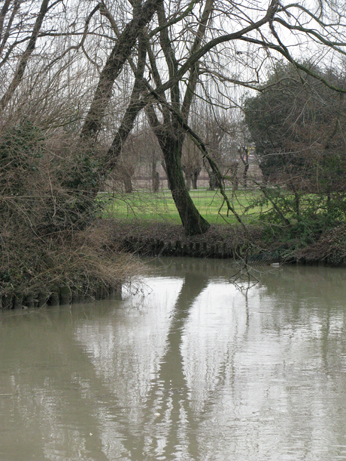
(196,369)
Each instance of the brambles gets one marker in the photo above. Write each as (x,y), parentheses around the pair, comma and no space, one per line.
(50,235)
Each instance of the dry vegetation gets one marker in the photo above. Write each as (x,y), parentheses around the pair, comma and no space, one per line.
(50,234)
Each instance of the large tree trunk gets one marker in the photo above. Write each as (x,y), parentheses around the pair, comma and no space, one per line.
(114,64)
(165,169)
(191,219)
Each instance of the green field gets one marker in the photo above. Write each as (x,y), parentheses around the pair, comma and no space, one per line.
(146,206)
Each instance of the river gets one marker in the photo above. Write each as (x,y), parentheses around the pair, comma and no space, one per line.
(197,361)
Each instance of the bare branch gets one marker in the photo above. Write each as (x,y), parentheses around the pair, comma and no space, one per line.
(26,55)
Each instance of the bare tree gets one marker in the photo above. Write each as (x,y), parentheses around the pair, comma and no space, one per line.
(120,53)
(168,131)
(202,48)
(171,56)
(11,9)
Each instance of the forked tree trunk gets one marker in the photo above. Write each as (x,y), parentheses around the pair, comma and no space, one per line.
(114,65)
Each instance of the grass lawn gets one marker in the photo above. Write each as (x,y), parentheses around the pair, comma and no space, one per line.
(144,206)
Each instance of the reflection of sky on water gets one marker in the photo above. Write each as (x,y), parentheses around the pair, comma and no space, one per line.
(216,323)
(126,354)
(189,367)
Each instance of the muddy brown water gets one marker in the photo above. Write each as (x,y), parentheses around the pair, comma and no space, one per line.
(194,363)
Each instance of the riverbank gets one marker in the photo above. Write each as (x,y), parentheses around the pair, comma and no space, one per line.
(96,262)
(63,268)
(222,241)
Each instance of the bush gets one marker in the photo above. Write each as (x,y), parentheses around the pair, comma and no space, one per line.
(50,234)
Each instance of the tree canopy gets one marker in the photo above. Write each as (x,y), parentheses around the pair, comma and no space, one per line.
(297,124)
